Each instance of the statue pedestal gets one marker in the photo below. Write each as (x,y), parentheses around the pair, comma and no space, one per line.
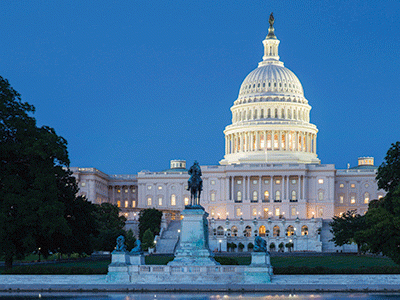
(136,259)
(260,269)
(118,269)
(193,246)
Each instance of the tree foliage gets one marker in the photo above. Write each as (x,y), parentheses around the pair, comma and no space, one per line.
(149,219)
(110,225)
(38,204)
(148,240)
(346,229)
(388,176)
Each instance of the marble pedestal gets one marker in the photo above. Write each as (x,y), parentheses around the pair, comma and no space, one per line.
(193,249)
(260,269)
(118,269)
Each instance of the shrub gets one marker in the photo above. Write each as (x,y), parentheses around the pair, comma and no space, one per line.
(281,246)
(272,246)
(226,260)
(250,246)
(241,246)
(55,270)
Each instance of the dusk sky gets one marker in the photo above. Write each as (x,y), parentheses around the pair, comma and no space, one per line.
(133,84)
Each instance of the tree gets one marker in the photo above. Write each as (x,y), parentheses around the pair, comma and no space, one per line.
(149,219)
(290,246)
(272,246)
(281,247)
(109,224)
(148,239)
(346,229)
(250,246)
(33,164)
(241,247)
(382,234)
(388,176)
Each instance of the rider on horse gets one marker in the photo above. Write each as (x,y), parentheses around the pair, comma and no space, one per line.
(195,183)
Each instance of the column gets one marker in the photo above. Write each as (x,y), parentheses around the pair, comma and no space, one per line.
(232,187)
(260,196)
(287,188)
(272,139)
(248,187)
(257,140)
(283,188)
(279,140)
(304,185)
(271,195)
(299,183)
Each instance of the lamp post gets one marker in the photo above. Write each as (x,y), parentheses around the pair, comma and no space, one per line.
(39,253)
(220,245)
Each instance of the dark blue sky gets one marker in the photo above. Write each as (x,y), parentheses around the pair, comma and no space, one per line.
(133,84)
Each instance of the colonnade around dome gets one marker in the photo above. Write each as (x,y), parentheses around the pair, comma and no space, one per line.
(271,140)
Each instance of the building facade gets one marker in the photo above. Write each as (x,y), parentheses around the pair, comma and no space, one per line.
(270,182)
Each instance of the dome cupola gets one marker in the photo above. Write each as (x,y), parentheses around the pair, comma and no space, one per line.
(271,116)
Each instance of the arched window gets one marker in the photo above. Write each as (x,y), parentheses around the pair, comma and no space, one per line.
(255,196)
(366,197)
(278,196)
(173,200)
(276,231)
(220,231)
(282,113)
(239,196)
(320,196)
(247,231)
(304,230)
(276,113)
(186,200)
(269,113)
(266,196)
(234,231)
(261,231)
(290,230)
(294,198)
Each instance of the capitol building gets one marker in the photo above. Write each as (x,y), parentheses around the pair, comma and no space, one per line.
(269,183)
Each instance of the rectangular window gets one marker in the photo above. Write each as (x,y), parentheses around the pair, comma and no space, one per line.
(320,181)
(149,201)
(212,197)
(266,215)
(238,212)
(119,203)
(254,212)
(341,199)
(341,185)
(126,203)
(159,201)
(277,212)
(133,203)
(277,181)
(126,191)
(353,199)
(293,211)
(212,182)
(352,185)
(186,200)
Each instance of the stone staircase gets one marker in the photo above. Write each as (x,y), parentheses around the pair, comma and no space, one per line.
(169,238)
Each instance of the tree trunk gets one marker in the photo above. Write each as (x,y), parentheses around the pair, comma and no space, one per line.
(358,249)
(8,261)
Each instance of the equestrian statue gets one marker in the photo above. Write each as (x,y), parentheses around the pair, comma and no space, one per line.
(195,184)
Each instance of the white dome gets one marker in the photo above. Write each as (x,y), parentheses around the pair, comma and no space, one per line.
(271,79)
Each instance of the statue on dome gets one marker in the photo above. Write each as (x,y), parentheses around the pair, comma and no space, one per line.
(271,20)
(195,184)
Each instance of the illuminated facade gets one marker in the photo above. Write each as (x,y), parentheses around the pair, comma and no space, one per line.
(270,182)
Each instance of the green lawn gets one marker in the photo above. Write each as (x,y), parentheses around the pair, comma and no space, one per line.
(282,265)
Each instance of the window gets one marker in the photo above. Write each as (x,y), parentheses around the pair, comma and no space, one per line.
(119,203)
(149,201)
(212,196)
(148,187)
(186,200)
(212,212)
(83,184)
(212,182)
(294,196)
(134,203)
(255,181)
(380,196)
(266,196)
(277,212)
(172,187)
(277,181)
(255,196)
(254,212)
(239,196)
(220,231)
(266,181)
(341,199)
(320,181)
(304,230)
(352,185)
(341,185)
(118,191)
(126,204)
(293,211)
(294,181)
(173,200)
(247,231)
(277,196)
(266,213)
(238,212)
(321,212)
(261,231)
(234,231)
(159,201)
(366,198)
(276,231)
(352,199)
(320,196)
(239,182)
(366,185)
(126,191)
(290,230)
(160,187)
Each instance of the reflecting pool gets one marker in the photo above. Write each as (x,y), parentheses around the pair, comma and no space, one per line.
(198,296)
